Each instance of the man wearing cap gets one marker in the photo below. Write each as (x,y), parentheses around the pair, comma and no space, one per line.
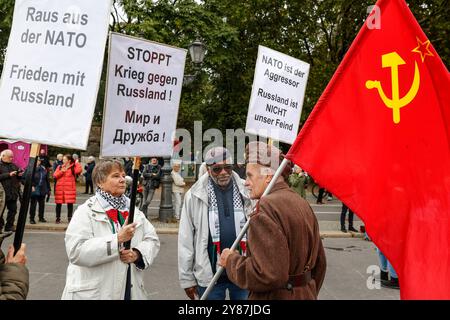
(152,178)
(10,176)
(214,211)
(285,257)
(298,180)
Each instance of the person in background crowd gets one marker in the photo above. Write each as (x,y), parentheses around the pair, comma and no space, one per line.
(45,161)
(88,168)
(213,214)
(10,176)
(239,168)
(386,270)
(56,164)
(128,166)
(76,159)
(39,190)
(100,268)
(14,275)
(66,188)
(2,199)
(152,177)
(160,161)
(177,187)
(350,219)
(298,181)
(320,196)
(191,165)
(58,161)
(285,255)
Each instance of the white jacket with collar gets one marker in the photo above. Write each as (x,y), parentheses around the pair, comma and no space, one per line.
(194,267)
(95,271)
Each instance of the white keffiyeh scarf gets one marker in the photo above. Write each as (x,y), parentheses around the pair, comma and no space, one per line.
(214,226)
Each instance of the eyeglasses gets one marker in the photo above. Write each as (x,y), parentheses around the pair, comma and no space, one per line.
(218,169)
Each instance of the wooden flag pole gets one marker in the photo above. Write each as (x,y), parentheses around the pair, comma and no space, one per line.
(136,165)
(25,203)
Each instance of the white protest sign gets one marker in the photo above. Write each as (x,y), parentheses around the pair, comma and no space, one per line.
(277,95)
(142,97)
(52,70)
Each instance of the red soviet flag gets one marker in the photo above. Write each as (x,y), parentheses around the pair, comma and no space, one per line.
(379,139)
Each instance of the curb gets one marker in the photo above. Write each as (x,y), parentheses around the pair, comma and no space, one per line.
(63,227)
(167,230)
(340,234)
(60,228)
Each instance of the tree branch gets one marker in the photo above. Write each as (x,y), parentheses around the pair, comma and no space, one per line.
(309,51)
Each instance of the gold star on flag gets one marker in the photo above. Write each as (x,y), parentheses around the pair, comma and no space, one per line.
(422,48)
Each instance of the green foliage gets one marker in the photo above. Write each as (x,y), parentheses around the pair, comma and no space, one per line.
(434,19)
(6,14)
(316,31)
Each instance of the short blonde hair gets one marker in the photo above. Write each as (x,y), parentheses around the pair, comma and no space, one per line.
(103,169)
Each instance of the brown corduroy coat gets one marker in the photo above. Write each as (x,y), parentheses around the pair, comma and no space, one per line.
(282,238)
(14,278)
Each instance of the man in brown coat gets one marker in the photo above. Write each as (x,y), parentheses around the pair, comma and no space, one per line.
(14,277)
(286,259)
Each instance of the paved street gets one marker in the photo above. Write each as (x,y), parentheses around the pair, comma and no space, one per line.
(346,278)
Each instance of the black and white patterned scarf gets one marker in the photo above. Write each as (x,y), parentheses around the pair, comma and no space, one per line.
(213,217)
(119,203)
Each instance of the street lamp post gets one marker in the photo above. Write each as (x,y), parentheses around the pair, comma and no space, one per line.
(166,207)
(197,52)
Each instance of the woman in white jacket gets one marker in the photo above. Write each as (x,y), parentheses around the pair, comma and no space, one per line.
(99,265)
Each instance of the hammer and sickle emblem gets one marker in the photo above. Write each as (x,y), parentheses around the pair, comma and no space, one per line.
(393,60)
